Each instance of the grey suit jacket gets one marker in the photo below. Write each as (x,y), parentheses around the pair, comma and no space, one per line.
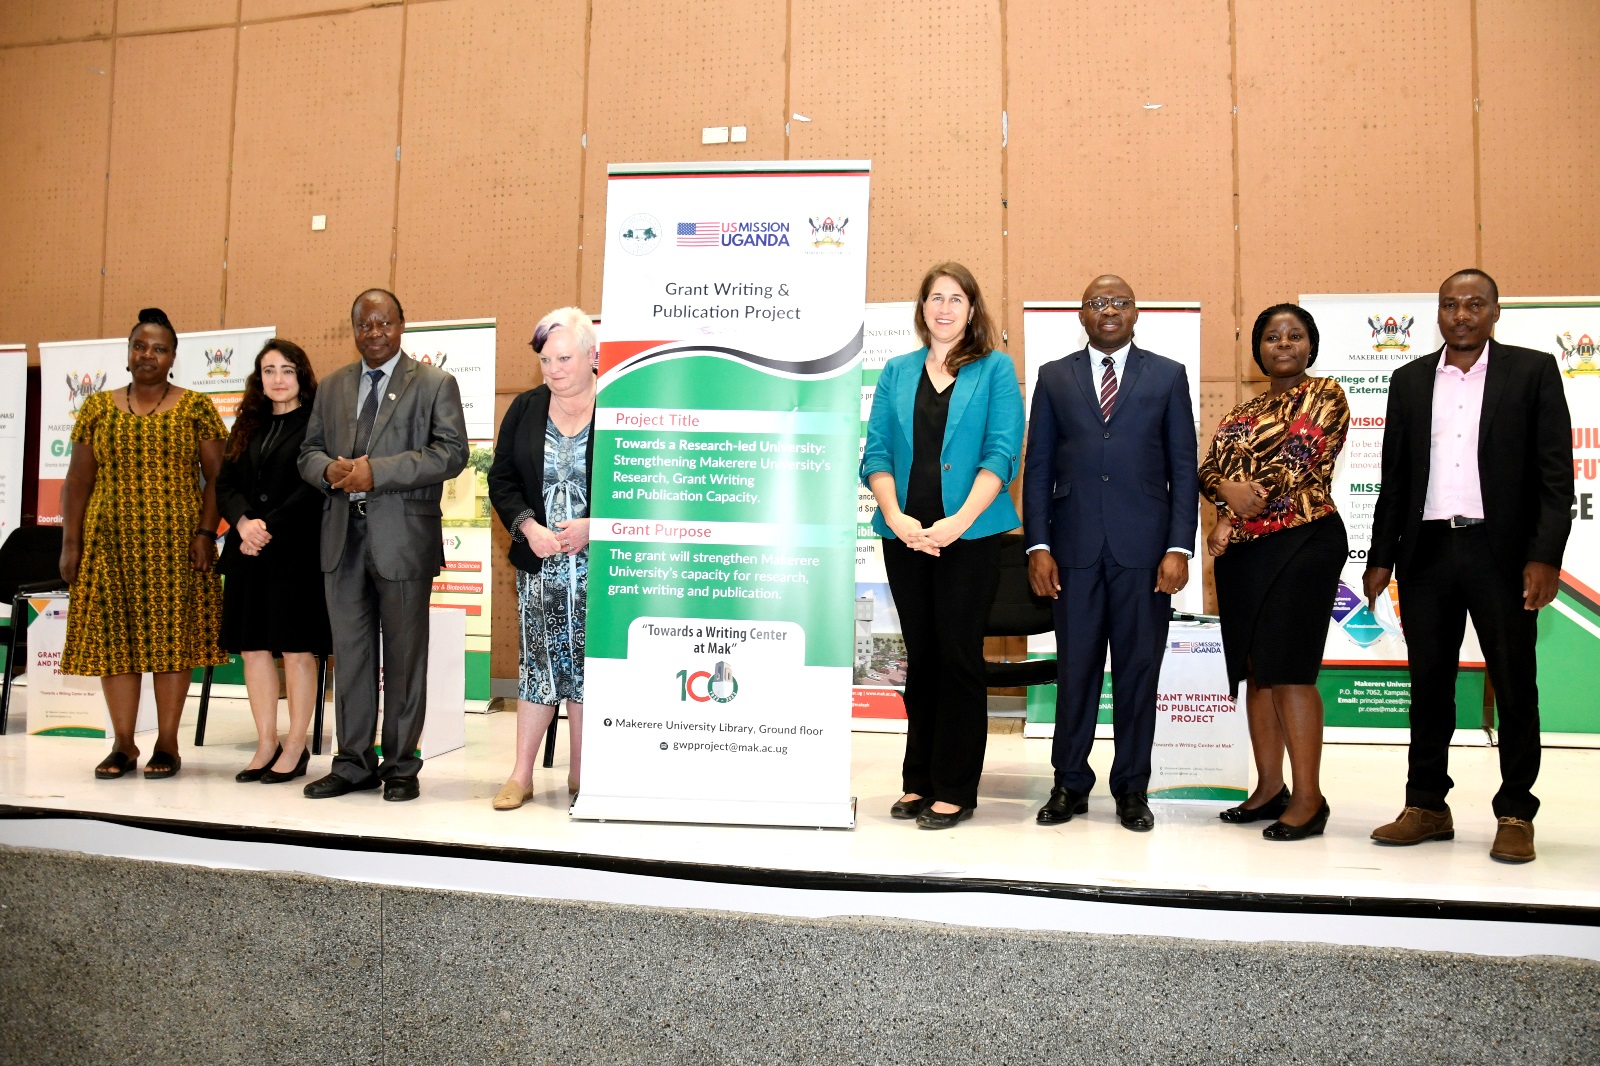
(419,442)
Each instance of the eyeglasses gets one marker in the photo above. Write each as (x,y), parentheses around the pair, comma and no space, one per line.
(1100,303)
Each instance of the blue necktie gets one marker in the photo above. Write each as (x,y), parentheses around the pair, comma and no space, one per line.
(369,415)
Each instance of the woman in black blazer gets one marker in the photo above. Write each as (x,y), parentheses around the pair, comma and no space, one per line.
(272,598)
(539,486)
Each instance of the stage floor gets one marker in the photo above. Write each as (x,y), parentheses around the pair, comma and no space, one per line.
(1191,876)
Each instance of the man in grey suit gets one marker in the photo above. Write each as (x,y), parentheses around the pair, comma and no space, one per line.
(385,434)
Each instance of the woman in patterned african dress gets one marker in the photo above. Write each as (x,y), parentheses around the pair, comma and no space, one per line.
(138,544)
(539,486)
(1279,544)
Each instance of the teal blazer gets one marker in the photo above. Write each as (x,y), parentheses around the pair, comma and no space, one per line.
(983,432)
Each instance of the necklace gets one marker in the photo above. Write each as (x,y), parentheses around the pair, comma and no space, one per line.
(587,406)
(153,410)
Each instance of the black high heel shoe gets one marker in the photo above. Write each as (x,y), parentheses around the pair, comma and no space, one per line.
(1273,809)
(1283,831)
(272,777)
(254,774)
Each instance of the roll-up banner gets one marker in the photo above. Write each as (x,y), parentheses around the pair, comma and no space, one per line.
(465,348)
(214,362)
(723,533)
(13,424)
(1364,682)
(879,670)
(1569,630)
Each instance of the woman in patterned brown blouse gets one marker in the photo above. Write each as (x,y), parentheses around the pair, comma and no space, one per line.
(1279,544)
(138,543)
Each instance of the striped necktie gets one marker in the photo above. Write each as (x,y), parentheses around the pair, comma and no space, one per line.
(1108,389)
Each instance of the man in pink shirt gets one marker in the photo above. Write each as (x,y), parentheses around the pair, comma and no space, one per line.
(1473,516)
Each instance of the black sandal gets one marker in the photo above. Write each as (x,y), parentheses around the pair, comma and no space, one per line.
(162,764)
(117,764)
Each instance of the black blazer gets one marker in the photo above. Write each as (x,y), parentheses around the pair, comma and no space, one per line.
(516,478)
(1524,460)
(265,483)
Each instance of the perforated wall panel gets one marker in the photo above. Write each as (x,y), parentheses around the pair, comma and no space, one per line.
(1539,79)
(659,71)
(53,140)
(1355,148)
(316,129)
(492,167)
(144,16)
(39,21)
(913,85)
(1120,156)
(255,10)
(167,208)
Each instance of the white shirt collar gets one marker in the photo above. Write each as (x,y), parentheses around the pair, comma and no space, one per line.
(1119,358)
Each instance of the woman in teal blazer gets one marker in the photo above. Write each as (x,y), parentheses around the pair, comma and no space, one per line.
(943,442)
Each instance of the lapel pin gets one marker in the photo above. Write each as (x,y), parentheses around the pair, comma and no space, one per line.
(391,396)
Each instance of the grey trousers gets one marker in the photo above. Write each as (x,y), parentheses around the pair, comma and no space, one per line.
(363,606)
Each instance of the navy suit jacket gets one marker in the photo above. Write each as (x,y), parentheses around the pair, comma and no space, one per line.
(1131,482)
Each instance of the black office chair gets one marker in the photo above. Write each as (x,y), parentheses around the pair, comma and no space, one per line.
(30,564)
(1017,612)
(316,721)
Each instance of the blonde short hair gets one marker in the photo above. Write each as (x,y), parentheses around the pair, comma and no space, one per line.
(571,318)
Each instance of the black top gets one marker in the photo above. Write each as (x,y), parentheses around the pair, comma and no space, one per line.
(925,489)
(265,483)
(516,478)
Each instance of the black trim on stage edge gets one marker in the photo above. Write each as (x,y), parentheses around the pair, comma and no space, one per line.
(757,877)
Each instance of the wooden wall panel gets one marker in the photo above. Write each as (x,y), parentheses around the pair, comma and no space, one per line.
(913,85)
(1355,148)
(53,140)
(490,176)
(315,134)
(146,16)
(659,71)
(1539,80)
(256,10)
(492,167)
(167,207)
(40,21)
(1100,180)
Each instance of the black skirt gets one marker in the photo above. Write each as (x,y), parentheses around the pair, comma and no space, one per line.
(274,601)
(1275,595)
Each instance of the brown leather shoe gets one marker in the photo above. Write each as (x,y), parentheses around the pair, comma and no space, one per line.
(1513,841)
(1415,825)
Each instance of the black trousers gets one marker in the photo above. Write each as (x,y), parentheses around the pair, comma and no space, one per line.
(367,607)
(1099,605)
(944,604)
(1454,576)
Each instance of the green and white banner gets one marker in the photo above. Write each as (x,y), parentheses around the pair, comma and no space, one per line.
(1569,630)
(1364,680)
(723,533)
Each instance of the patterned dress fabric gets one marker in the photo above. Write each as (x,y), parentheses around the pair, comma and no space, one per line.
(136,606)
(552,602)
(1289,444)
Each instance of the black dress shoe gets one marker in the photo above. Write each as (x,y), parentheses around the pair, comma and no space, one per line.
(1273,808)
(334,785)
(932,819)
(909,808)
(1283,831)
(272,777)
(1134,813)
(1063,803)
(400,789)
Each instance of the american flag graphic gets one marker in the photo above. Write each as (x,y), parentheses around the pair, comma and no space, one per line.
(699,234)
